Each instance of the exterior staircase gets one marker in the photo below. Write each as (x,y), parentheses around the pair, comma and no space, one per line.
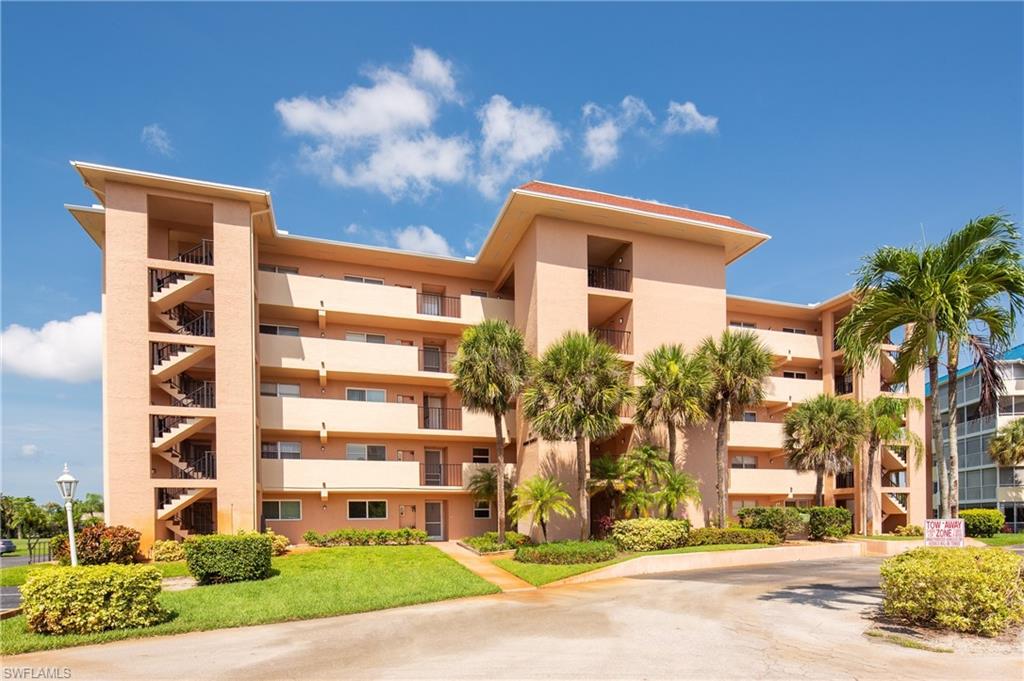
(168,431)
(177,529)
(174,288)
(174,500)
(170,359)
(894,503)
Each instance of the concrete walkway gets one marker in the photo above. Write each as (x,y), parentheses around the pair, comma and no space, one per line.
(483,567)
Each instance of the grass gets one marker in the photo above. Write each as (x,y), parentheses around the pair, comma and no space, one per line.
(1008,539)
(905,641)
(540,574)
(322,583)
(16,576)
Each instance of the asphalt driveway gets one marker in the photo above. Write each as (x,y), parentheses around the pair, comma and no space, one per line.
(775,622)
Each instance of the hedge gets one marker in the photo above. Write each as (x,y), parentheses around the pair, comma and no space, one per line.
(649,534)
(972,590)
(92,598)
(730,535)
(488,542)
(218,558)
(828,522)
(782,520)
(168,550)
(98,545)
(350,537)
(909,531)
(566,552)
(982,522)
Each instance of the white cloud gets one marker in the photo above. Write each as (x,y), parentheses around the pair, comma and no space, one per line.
(421,239)
(515,141)
(604,129)
(684,118)
(353,228)
(156,139)
(61,350)
(30,451)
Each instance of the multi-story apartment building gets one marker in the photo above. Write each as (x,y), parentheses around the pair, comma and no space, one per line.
(983,483)
(255,377)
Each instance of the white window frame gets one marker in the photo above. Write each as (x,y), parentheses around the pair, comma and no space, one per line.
(277,330)
(477,509)
(348,508)
(802,375)
(475,450)
(278,269)
(360,279)
(367,391)
(353,336)
(277,389)
(793,329)
(744,459)
(479,293)
(279,519)
(277,449)
(743,325)
(366,451)
(750,413)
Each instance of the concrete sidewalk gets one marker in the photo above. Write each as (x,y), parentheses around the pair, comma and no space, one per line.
(483,567)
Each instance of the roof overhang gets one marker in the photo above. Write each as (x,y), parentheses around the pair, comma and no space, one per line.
(753,305)
(93,220)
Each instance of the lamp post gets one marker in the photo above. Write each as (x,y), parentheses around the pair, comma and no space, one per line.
(67,483)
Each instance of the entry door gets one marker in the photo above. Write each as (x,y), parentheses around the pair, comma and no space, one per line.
(432,358)
(434,520)
(433,411)
(433,468)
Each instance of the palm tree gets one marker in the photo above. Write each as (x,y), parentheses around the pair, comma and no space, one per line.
(740,365)
(646,465)
(540,498)
(574,393)
(677,488)
(637,502)
(490,369)
(608,475)
(938,293)
(484,487)
(822,435)
(674,391)
(884,422)
(1007,447)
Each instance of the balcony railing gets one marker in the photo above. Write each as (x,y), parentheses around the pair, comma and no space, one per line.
(438,305)
(612,278)
(200,254)
(193,323)
(441,474)
(615,338)
(441,418)
(844,385)
(436,360)
(198,394)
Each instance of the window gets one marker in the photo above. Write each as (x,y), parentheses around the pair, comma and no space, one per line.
(361,452)
(790,329)
(280,269)
(750,416)
(481,455)
(744,325)
(279,389)
(743,461)
(478,293)
(367,510)
(281,450)
(1011,477)
(282,510)
(737,504)
(278,330)
(360,337)
(363,280)
(366,394)
(794,374)
(482,509)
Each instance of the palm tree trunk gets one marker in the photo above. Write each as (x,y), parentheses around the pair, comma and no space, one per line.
(725,408)
(819,487)
(544,530)
(671,442)
(583,499)
(499,451)
(937,452)
(869,488)
(953,493)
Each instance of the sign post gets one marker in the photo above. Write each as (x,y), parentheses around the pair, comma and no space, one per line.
(948,532)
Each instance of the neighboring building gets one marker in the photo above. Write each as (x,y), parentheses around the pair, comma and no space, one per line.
(253,377)
(983,483)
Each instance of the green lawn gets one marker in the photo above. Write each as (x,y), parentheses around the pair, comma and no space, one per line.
(322,583)
(1008,539)
(16,576)
(539,574)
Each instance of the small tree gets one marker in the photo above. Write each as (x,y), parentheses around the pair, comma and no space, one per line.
(884,418)
(822,435)
(36,523)
(1007,447)
(677,488)
(484,487)
(539,498)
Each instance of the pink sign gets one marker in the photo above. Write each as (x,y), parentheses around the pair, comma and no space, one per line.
(948,532)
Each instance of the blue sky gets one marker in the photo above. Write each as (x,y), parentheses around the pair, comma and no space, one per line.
(833,127)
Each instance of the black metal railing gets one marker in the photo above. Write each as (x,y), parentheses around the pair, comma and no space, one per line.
(613,278)
(441,474)
(436,360)
(161,425)
(40,552)
(899,498)
(202,394)
(197,518)
(615,338)
(844,480)
(438,305)
(168,495)
(200,254)
(192,322)
(161,352)
(895,479)
(441,418)
(844,384)
(195,465)
(161,279)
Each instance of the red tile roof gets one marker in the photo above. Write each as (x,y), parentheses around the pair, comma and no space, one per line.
(634,204)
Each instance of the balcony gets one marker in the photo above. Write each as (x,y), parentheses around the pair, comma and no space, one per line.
(373,305)
(778,481)
(612,278)
(385,419)
(316,475)
(620,340)
(790,346)
(755,435)
(791,390)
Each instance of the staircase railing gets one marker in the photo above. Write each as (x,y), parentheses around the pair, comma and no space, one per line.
(192,322)
(161,425)
(201,466)
(202,394)
(200,254)
(164,351)
(168,495)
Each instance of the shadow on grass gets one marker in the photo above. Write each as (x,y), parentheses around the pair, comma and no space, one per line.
(827,596)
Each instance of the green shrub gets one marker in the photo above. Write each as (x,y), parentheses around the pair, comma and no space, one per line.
(88,599)
(782,520)
(98,545)
(909,531)
(971,590)
(278,542)
(352,537)
(566,552)
(730,535)
(649,534)
(829,522)
(168,550)
(488,542)
(218,558)
(982,522)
